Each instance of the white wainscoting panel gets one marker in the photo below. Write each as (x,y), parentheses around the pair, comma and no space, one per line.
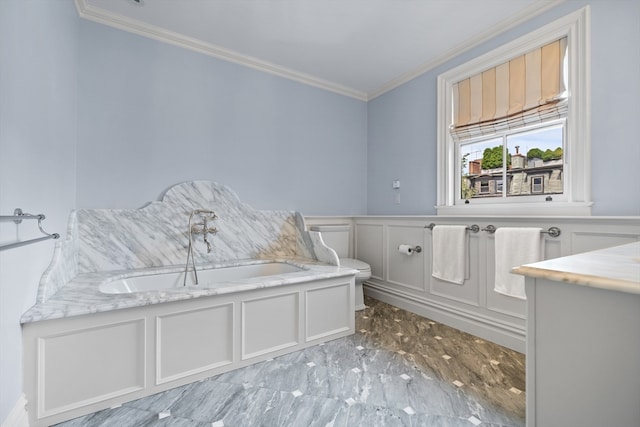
(270,324)
(469,291)
(406,270)
(319,322)
(473,306)
(69,379)
(586,241)
(495,301)
(193,341)
(370,247)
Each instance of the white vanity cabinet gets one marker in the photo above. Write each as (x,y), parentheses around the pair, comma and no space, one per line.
(583,339)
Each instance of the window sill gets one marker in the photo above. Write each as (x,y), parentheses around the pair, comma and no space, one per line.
(517,209)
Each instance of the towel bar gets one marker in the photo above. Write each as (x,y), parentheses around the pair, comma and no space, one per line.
(17,217)
(473,228)
(552,231)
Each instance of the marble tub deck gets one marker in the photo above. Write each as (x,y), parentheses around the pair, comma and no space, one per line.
(399,369)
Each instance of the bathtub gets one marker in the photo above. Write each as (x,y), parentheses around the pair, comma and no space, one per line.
(115,320)
(222,277)
(130,334)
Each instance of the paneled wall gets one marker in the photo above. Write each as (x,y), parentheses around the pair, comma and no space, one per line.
(474,307)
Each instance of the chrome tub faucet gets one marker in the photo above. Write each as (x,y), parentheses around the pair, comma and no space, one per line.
(199,228)
(203,227)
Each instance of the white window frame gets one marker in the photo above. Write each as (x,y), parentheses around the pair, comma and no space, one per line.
(577,161)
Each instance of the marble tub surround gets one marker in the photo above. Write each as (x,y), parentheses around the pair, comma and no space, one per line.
(62,269)
(102,244)
(390,373)
(82,294)
(156,235)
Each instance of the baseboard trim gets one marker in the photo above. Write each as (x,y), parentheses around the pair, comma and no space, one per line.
(18,416)
(509,335)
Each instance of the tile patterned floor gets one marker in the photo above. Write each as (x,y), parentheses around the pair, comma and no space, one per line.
(399,369)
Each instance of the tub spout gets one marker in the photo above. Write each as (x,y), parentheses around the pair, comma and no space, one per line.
(208,243)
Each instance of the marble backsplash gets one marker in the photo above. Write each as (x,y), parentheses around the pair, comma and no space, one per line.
(102,240)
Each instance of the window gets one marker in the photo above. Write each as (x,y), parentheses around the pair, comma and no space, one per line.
(537,142)
(537,184)
(513,157)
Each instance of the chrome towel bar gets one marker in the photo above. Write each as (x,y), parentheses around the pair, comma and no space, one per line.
(17,218)
(473,228)
(552,231)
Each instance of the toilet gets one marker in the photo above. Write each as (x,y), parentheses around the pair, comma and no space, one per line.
(337,238)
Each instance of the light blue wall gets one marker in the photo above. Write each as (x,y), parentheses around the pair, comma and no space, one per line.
(152,115)
(140,115)
(402,123)
(38,78)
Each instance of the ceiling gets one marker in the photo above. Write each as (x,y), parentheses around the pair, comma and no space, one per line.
(359,48)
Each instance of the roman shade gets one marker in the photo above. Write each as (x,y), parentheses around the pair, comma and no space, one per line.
(525,90)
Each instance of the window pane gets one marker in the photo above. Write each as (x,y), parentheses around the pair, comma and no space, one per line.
(481,168)
(537,184)
(536,162)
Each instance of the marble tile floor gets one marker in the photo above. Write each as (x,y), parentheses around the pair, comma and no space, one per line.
(399,369)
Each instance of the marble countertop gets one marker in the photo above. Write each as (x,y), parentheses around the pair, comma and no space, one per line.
(616,268)
(82,295)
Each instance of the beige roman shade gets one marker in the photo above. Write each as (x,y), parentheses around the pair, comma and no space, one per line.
(527,89)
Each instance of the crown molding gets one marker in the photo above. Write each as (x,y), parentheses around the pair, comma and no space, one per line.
(526,14)
(120,22)
(101,16)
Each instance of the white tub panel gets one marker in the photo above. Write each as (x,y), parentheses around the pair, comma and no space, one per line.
(193,341)
(319,322)
(270,324)
(77,368)
(105,359)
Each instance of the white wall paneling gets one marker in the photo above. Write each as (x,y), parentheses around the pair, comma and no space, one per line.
(370,247)
(334,220)
(474,306)
(602,238)
(406,270)
(469,291)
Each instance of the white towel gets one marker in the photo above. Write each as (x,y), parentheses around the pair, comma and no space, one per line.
(449,253)
(515,247)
